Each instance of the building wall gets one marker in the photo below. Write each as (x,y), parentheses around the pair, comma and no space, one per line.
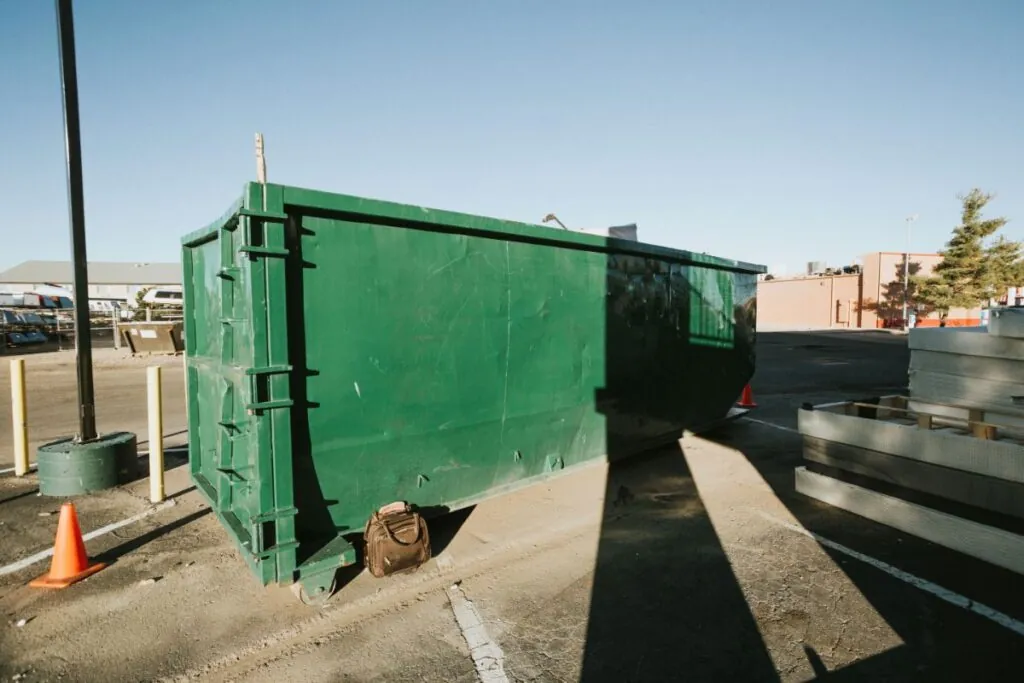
(882,305)
(809,303)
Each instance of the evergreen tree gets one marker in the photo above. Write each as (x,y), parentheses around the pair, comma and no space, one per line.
(970,272)
(1005,267)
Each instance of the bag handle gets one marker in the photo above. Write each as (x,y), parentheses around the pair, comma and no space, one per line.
(419,531)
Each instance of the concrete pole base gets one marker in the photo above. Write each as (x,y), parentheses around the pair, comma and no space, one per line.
(66,468)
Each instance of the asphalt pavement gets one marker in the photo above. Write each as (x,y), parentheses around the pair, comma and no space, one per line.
(697,562)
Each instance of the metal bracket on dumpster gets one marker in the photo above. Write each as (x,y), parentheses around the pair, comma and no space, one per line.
(338,553)
(261,250)
(264,251)
(265,216)
(257,374)
(270,405)
(269,370)
(258,523)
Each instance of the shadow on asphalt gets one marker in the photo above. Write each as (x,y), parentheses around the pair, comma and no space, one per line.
(940,641)
(182,492)
(23,494)
(170,435)
(113,554)
(666,604)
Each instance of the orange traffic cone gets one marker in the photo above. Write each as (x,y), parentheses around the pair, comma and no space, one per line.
(70,563)
(747,398)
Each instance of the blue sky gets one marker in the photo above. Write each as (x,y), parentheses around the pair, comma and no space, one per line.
(776,132)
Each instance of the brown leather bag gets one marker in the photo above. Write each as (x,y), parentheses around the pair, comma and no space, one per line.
(396,540)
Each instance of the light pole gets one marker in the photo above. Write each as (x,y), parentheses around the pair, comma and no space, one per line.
(87,461)
(906,275)
(73,153)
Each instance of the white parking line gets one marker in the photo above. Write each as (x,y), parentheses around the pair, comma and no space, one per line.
(39,557)
(770,424)
(487,655)
(938,591)
(9,470)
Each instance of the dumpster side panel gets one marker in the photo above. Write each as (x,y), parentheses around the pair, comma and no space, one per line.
(445,367)
(442,366)
(344,353)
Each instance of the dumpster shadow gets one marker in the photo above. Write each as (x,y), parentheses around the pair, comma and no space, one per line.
(665,604)
(939,641)
(666,601)
(444,525)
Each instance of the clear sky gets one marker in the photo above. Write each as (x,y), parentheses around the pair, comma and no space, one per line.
(774,132)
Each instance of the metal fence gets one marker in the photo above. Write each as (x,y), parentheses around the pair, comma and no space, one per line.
(34,330)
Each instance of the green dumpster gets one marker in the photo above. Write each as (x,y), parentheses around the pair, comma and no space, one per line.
(344,353)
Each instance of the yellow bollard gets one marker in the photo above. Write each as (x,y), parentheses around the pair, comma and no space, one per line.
(156,435)
(19,417)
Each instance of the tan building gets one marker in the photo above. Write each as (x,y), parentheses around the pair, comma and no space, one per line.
(871,299)
(808,303)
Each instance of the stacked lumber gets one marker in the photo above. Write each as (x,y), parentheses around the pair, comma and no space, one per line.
(972,368)
(952,474)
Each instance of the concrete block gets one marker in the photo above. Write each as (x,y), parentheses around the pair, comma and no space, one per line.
(982,367)
(968,341)
(975,392)
(1007,322)
(987,493)
(996,546)
(1000,459)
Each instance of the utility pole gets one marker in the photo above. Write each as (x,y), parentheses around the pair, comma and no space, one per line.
(906,275)
(76,210)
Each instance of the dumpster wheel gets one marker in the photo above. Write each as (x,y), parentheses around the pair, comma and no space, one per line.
(317,595)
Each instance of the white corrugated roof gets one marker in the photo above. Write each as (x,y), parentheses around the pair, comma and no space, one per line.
(100,273)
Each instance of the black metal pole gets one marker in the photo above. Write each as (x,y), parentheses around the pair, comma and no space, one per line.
(76,201)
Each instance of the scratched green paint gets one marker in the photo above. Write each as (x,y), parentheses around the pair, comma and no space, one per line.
(403,353)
